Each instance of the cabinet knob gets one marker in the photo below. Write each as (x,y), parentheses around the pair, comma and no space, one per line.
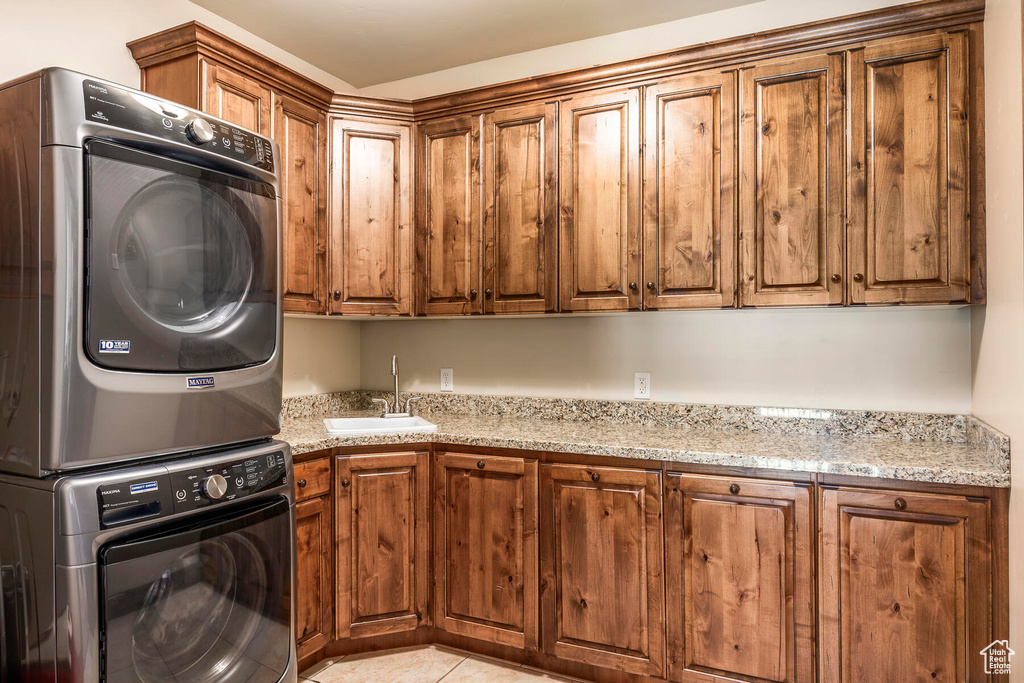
(472,294)
(837,278)
(734,489)
(301,483)
(632,285)
(337,294)
(901,504)
(858,277)
(594,476)
(344,482)
(479,464)
(487,292)
(650,286)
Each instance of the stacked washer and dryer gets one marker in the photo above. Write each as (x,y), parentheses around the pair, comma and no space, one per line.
(146,514)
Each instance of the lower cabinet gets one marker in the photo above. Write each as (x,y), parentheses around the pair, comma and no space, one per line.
(601,567)
(485,548)
(739,583)
(383,541)
(906,586)
(314,604)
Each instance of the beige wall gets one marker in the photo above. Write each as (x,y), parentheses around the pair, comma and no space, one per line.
(998,328)
(321,355)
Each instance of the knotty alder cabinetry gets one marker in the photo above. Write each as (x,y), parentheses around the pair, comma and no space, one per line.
(314,542)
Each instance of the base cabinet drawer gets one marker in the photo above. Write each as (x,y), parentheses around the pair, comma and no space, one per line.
(738,577)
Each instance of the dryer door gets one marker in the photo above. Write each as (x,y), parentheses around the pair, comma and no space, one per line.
(208,604)
(181,264)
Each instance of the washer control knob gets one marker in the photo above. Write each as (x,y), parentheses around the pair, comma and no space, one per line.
(200,131)
(215,487)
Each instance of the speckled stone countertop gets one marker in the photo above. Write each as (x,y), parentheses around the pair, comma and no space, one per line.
(940,449)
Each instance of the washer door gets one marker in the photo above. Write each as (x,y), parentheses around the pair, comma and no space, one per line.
(210,604)
(181,265)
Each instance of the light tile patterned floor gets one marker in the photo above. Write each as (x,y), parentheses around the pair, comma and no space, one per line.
(424,664)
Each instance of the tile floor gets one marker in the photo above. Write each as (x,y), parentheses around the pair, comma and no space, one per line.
(424,664)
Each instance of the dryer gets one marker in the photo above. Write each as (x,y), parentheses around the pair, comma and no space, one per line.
(140,271)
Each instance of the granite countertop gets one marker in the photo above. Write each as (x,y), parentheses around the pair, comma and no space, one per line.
(965,462)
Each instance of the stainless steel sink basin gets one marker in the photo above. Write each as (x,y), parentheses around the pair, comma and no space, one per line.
(356,426)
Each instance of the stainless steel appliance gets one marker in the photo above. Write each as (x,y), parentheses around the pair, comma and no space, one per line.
(175,570)
(140,308)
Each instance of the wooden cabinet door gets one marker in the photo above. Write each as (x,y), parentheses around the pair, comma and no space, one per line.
(905,581)
(449,243)
(739,580)
(382,543)
(520,228)
(791,182)
(231,96)
(599,179)
(314,598)
(485,548)
(300,132)
(910,171)
(371,212)
(601,568)
(689,192)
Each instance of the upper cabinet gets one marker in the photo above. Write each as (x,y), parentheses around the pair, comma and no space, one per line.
(791,182)
(231,96)
(689,192)
(909,171)
(448,192)
(371,218)
(599,178)
(520,200)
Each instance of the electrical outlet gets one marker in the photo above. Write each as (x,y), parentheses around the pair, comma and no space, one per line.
(447,379)
(642,386)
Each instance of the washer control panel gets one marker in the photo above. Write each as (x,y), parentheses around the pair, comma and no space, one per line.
(113,106)
(196,488)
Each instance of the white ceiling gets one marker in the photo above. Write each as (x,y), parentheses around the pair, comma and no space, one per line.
(366,42)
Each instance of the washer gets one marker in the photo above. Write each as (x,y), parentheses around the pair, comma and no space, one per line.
(157,572)
(140,295)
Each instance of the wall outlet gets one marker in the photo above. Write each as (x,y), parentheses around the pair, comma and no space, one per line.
(642,386)
(447,379)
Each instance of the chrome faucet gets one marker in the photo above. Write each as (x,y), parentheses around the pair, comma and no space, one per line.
(388,411)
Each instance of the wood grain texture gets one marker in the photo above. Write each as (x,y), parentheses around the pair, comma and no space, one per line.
(312,478)
(739,579)
(602,592)
(231,96)
(372,238)
(791,185)
(450,232)
(485,548)
(910,171)
(178,80)
(300,132)
(689,258)
(383,540)
(519,214)
(599,208)
(314,599)
(906,586)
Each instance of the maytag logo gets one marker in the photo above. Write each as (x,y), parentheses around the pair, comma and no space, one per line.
(200,382)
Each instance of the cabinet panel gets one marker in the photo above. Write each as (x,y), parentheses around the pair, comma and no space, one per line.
(299,131)
(905,586)
(791,189)
(909,172)
(314,601)
(231,96)
(599,178)
(520,229)
(383,541)
(739,583)
(689,192)
(602,592)
(450,243)
(485,548)
(371,213)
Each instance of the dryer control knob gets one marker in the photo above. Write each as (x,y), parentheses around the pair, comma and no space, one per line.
(200,131)
(215,487)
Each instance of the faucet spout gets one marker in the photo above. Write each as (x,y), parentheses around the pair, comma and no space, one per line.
(394,371)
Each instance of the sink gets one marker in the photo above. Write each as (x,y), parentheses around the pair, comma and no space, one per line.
(355,426)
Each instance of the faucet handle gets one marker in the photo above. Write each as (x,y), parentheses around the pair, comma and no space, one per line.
(410,400)
(387,406)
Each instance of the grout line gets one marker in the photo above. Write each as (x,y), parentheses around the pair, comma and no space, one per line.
(460,663)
